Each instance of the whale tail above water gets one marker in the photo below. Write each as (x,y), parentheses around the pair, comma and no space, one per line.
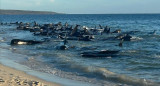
(153,33)
(121,43)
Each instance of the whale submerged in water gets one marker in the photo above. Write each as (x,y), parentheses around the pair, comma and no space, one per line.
(101,53)
(24,42)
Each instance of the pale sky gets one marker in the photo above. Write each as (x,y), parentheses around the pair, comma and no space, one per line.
(84,6)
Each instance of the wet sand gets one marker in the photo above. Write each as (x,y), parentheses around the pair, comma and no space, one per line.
(13,77)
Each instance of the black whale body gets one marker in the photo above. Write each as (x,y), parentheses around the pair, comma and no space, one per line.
(24,42)
(102,53)
(125,37)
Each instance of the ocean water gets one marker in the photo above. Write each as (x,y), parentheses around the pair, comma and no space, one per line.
(137,63)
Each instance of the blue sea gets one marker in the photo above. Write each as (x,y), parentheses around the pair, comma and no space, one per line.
(137,63)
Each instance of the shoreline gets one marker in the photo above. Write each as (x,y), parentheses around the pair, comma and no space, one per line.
(7,62)
(11,76)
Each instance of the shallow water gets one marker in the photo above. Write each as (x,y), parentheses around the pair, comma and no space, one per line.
(136,64)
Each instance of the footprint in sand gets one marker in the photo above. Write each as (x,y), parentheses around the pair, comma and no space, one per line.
(1,81)
(34,83)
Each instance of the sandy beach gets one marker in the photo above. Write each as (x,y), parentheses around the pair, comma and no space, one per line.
(13,77)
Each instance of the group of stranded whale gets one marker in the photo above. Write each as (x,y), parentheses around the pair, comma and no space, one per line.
(67,32)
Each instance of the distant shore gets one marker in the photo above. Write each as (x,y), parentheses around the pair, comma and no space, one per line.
(22,12)
(29,12)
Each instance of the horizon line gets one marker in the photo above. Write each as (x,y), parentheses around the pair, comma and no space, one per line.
(78,13)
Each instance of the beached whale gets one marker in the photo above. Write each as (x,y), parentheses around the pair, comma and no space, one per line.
(124,37)
(117,31)
(127,37)
(106,30)
(62,46)
(102,53)
(86,38)
(82,38)
(75,32)
(24,42)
